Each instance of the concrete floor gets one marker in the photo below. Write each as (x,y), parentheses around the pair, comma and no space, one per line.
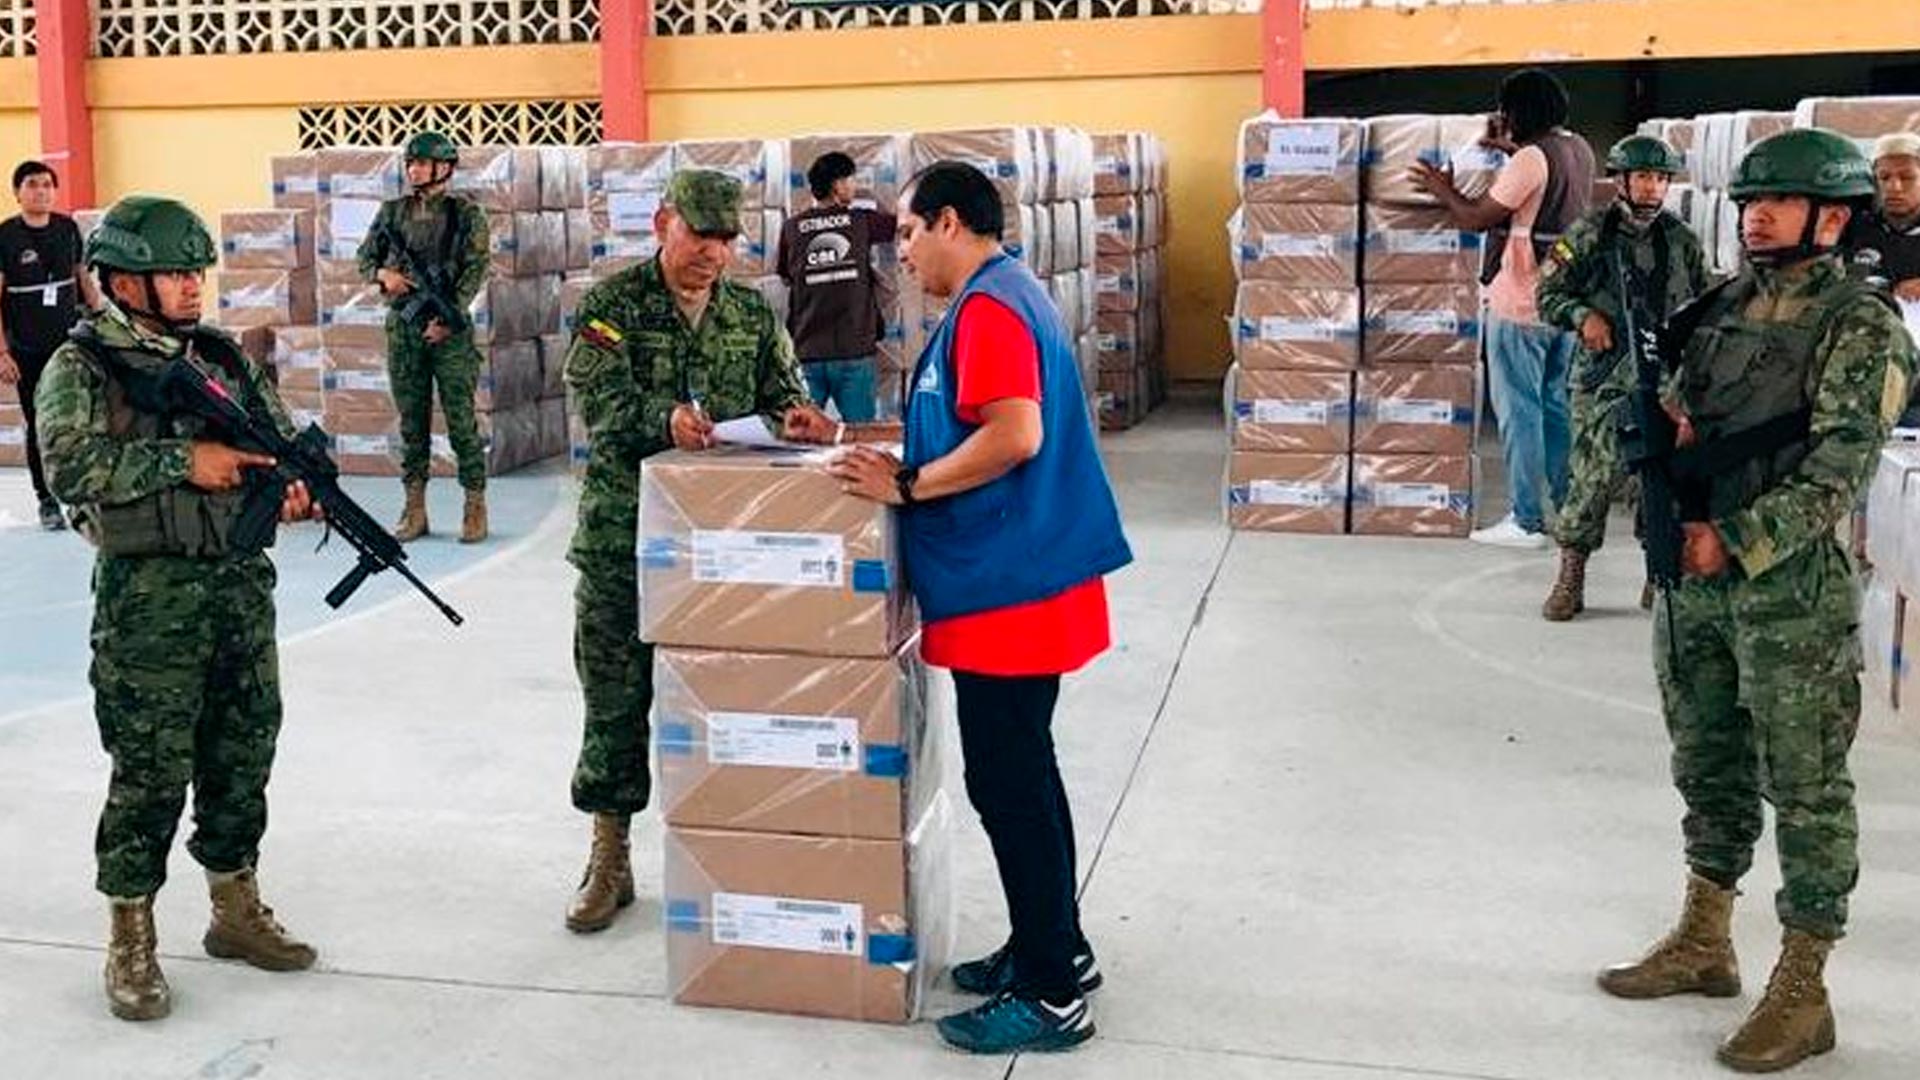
(1347,809)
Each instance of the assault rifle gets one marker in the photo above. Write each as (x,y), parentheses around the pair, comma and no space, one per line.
(432,295)
(1647,437)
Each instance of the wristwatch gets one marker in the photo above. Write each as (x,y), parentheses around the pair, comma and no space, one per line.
(903,480)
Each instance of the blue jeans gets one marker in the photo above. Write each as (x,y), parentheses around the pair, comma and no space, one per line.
(1528,365)
(849,384)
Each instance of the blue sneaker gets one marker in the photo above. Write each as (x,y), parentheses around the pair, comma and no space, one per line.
(993,974)
(1012,1024)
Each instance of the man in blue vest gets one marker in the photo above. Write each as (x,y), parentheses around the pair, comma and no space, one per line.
(1008,526)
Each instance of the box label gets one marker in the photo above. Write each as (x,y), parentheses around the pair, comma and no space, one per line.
(373,185)
(1303,150)
(1411,496)
(1282,328)
(1415,411)
(1286,411)
(1296,246)
(349,220)
(1305,493)
(362,445)
(13,436)
(789,925)
(358,380)
(632,212)
(1422,242)
(735,557)
(826,743)
(1421,322)
(261,241)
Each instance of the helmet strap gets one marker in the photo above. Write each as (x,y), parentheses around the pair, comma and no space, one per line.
(1807,248)
(150,309)
(440,174)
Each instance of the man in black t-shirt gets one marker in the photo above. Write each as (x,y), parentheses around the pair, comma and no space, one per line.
(44,282)
(1891,230)
(826,259)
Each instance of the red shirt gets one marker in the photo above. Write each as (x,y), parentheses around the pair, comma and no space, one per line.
(996,357)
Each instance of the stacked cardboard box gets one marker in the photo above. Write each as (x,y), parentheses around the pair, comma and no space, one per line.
(1129,237)
(1892,558)
(13,427)
(801,767)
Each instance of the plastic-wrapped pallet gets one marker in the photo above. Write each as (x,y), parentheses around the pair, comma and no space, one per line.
(1860,118)
(563,177)
(499,178)
(625,185)
(1005,155)
(759,164)
(879,164)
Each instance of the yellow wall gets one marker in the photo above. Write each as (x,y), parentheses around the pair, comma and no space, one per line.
(213,159)
(1197,115)
(19,137)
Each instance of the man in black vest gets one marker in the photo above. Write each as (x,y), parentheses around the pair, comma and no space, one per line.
(1890,231)
(826,259)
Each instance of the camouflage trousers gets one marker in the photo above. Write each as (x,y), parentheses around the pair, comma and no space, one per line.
(186,692)
(1597,477)
(1760,681)
(415,369)
(615,667)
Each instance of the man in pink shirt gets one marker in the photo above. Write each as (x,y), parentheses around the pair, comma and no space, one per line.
(1544,187)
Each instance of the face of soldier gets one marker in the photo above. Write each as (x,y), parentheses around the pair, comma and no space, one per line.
(176,297)
(1898,178)
(36,194)
(1647,188)
(690,261)
(1776,222)
(420,172)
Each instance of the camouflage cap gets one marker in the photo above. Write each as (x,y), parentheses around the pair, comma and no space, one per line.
(707,200)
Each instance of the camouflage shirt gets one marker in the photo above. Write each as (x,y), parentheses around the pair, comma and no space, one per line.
(423,223)
(86,462)
(634,359)
(1578,277)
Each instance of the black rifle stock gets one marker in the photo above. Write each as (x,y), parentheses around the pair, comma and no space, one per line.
(1647,438)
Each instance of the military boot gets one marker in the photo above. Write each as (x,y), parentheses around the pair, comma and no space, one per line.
(136,990)
(473,523)
(1646,596)
(1794,1020)
(607,885)
(413,517)
(243,928)
(1696,956)
(1569,595)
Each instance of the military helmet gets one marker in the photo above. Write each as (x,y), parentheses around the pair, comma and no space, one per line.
(431,146)
(1643,153)
(1805,161)
(143,234)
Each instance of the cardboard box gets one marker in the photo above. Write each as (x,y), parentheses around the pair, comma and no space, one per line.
(1412,495)
(1414,324)
(1278,325)
(1301,243)
(766,742)
(1451,142)
(1415,245)
(1291,412)
(499,178)
(579,225)
(1117,165)
(879,168)
(513,438)
(1896,474)
(1005,155)
(340,227)
(296,180)
(553,427)
(814,926)
(1861,118)
(13,435)
(1304,161)
(573,289)
(1117,285)
(299,360)
(1122,398)
(368,444)
(1116,335)
(1039,239)
(761,551)
(563,177)
(1118,224)
(627,167)
(352,316)
(266,239)
(1422,409)
(759,164)
(1298,493)
(757,245)
(511,376)
(553,364)
(1067,253)
(356,380)
(250,298)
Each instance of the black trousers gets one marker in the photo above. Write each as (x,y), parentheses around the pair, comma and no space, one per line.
(31,366)
(1013,781)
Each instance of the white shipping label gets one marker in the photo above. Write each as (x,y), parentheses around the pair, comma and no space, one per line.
(13,436)
(1290,493)
(301,185)
(1422,241)
(358,315)
(1411,496)
(1415,411)
(254,296)
(1303,150)
(373,186)
(1281,328)
(1277,411)
(361,445)
(349,219)
(1421,322)
(261,241)
(654,180)
(358,380)
(303,358)
(632,212)
(827,743)
(788,924)
(640,246)
(1296,246)
(735,557)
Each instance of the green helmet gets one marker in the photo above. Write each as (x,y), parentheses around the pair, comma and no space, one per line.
(143,234)
(1643,153)
(432,146)
(1805,161)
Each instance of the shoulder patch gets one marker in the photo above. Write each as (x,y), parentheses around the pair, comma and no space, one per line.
(601,333)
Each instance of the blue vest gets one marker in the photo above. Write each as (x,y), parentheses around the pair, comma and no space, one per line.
(1047,525)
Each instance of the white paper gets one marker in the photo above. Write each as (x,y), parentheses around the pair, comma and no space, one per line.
(349,220)
(1277,411)
(358,380)
(738,557)
(1421,322)
(1295,246)
(788,924)
(1303,150)
(1289,493)
(358,315)
(1415,411)
(13,436)
(751,431)
(371,185)
(50,296)
(1281,328)
(1422,241)
(825,743)
(1411,496)
(261,241)
(361,445)
(632,211)
(253,296)
(1910,310)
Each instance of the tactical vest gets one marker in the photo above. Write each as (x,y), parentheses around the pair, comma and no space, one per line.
(1740,373)
(180,520)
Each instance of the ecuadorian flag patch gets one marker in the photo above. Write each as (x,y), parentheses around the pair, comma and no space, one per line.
(602,334)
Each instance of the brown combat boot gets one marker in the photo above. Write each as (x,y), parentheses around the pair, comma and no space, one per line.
(136,990)
(1793,1021)
(1646,596)
(607,885)
(473,523)
(413,517)
(243,928)
(1569,595)
(1696,956)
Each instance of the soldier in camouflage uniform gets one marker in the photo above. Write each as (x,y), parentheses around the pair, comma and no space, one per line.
(1758,653)
(438,228)
(1579,292)
(185,675)
(662,351)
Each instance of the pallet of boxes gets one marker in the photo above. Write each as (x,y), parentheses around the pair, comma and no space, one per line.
(1129,209)
(802,769)
(1353,396)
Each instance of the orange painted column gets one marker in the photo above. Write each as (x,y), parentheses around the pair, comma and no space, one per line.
(1283,31)
(625,26)
(65,31)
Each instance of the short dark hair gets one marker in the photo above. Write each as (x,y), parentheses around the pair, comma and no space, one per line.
(973,198)
(827,170)
(31,168)
(1534,103)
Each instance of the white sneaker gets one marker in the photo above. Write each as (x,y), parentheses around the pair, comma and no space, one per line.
(1508,533)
